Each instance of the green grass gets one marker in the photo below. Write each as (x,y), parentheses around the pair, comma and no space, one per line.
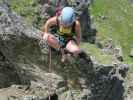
(97,53)
(26,8)
(118,23)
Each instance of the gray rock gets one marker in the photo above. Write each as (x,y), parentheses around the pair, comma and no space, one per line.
(30,97)
(118,53)
(3,97)
(123,68)
(131,53)
(108,47)
(103,17)
(70,95)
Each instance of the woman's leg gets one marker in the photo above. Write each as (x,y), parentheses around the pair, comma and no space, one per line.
(53,42)
(73,48)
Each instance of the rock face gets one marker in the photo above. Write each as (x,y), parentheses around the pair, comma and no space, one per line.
(24,63)
(8,73)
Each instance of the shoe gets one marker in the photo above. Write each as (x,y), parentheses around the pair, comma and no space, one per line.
(63,56)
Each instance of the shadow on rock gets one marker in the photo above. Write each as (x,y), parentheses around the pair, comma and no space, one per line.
(106,86)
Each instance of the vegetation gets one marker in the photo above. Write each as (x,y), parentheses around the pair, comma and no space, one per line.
(114,19)
(26,8)
(97,53)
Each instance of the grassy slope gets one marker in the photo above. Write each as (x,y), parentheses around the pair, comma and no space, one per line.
(97,53)
(118,23)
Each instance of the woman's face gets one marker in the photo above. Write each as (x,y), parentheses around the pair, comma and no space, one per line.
(65,25)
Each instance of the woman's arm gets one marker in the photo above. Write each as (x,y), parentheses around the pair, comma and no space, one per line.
(78,31)
(50,22)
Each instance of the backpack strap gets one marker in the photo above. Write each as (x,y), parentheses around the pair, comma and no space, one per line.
(57,20)
(73,27)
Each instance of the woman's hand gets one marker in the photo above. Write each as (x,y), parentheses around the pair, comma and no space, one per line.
(45,36)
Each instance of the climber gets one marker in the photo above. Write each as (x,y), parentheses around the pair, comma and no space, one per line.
(68,32)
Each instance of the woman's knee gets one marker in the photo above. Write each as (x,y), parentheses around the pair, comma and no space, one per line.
(52,41)
(73,48)
(51,38)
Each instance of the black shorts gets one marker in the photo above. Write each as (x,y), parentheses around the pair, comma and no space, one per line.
(63,40)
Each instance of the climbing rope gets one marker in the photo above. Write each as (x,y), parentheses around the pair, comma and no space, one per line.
(50,70)
(57,12)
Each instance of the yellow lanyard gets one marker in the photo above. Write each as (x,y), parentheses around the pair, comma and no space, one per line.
(65,30)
